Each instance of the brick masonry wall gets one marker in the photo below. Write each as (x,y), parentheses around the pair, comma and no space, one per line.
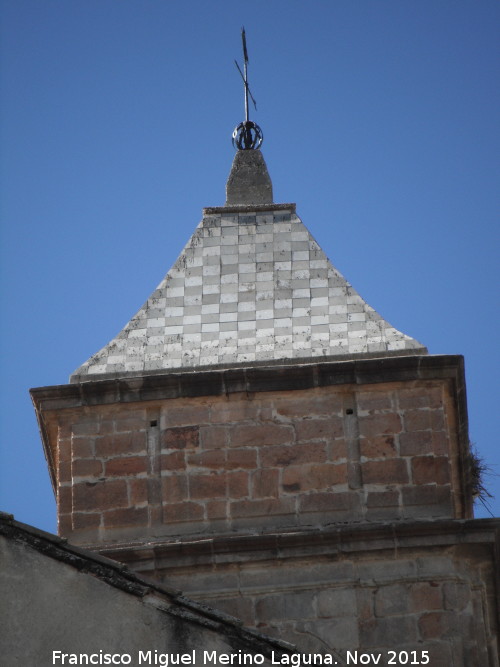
(441,600)
(265,460)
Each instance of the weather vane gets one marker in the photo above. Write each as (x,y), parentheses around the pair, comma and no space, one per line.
(246,135)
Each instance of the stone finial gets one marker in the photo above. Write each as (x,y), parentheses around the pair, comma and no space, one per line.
(249,181)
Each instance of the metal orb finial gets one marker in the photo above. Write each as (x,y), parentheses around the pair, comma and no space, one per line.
(247,136)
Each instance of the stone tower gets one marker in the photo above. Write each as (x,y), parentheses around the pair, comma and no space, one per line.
(258,436)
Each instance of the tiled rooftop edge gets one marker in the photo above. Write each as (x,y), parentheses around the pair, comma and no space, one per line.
(278,363)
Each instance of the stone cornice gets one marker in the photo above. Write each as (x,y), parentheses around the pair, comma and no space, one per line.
(345,541)
(248,208)
(304,374)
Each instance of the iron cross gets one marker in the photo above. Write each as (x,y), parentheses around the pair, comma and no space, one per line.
(244,75)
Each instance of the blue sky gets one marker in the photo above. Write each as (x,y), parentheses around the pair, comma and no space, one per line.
(380,120)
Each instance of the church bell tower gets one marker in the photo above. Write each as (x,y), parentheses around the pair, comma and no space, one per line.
(260,437)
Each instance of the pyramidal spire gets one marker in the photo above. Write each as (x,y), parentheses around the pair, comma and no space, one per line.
(251,286)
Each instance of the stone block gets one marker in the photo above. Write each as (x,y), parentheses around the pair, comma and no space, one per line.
(86,468)
(178,415)
(379,424)
(431,566)
(391,471)
(64,498)
(116,445)
(174,488)
(378,447)
(440,443)
(427,396)
(207,486)
(336,633)
(86,427)
(85,520)
(430,469)
(135,420)
(260,435)
(438,422)
(173,461)
(381,571)
(417,420)
(245,458)
(425,596)
(185,511)
(63,473)
(456,595)
(424,494)
(300,478)
(416,443)
(100,496)
(335,602)
(233,409)
(106,426)
(284,455)
(382,514)
(238,484)
(439,511)
(255,508)
(374,401)
(392,599)
(443,625)
(214,459)
(309,404)
(383,498)
(297,605)
(329,502)
(364,602)
(126,466)
(64,451)
(214,437)
(265,483)
(186,437)
(130,516)
(388,632)
(216,509)
(81,447)
(139,490)
(318,429)
(428,495)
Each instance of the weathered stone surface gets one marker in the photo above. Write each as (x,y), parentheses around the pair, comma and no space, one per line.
(264,459)
(426,588)
(249,181)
